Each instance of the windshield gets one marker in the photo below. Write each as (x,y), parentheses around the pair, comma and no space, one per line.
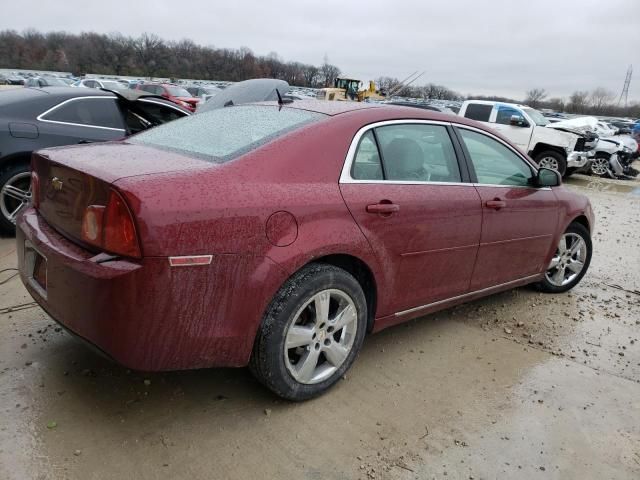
(55,82)
(178,92)
(223,134)
(536,116)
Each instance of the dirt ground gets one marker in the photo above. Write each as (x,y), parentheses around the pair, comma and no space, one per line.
(515,386)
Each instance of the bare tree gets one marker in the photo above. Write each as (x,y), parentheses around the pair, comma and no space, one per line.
(600,98)
(328,73)
(535,96)
(578,101)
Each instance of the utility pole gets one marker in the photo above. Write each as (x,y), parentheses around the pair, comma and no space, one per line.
(625,88)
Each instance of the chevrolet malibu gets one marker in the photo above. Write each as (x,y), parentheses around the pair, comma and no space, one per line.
(278,236)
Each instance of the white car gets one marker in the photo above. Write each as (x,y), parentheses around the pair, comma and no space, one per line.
(527,128)
(99,83)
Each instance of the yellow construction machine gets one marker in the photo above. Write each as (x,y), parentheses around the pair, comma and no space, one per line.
(349,89)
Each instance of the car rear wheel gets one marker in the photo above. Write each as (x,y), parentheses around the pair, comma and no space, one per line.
(570,261)
(553,160)
(311,333)
(15,194)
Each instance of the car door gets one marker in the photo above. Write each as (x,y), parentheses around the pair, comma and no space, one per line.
(82,120)
(518,133)
(518,219)
(405,188)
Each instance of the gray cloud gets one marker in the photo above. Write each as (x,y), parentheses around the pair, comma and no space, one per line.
(486,47)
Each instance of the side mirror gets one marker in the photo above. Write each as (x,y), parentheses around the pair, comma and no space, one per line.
(518,121)
(548,178)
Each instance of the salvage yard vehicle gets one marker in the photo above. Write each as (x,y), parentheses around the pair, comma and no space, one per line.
(286,232)
(31,119)
(99,83)
(171,92)
(611,156)
(40,82)
(526,128)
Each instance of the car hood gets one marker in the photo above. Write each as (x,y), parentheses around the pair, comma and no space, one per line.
(580,126)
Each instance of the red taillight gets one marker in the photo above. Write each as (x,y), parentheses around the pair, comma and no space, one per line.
(35,190)
(111,228)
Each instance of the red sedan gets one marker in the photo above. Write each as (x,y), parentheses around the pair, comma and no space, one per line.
(171,92)
(278,236)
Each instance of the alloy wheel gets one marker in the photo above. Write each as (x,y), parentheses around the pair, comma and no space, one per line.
(568,261)
(549,162)
(321,336)
(599,166)
(15,195)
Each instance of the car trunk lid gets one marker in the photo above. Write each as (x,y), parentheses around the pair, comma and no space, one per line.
(73,178)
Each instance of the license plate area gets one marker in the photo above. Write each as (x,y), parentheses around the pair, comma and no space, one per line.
(35,268)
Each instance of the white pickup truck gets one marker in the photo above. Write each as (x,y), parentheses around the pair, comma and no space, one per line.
(526,128)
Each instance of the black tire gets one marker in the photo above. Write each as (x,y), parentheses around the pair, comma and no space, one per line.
(547,286)
(268,358)
(560,159)
(7,173)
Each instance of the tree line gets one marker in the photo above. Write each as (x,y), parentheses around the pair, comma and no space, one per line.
(598,101)
(150,56)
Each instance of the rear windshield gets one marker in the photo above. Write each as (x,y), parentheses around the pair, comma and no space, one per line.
(223,134)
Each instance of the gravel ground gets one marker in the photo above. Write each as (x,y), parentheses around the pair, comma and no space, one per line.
(517,385)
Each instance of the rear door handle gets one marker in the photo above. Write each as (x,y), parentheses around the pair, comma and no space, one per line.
(383,208)
(496,204)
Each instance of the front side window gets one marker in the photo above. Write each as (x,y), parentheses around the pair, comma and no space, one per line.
(95,112)
(478,111)
(505,113)
(223,134)
(494,163)
(418,152)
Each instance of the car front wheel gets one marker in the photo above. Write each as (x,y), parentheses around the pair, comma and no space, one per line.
(570,260)
(553,160)
(311,332)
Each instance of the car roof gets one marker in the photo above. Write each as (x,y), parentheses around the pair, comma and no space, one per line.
(15,95)
(327,107)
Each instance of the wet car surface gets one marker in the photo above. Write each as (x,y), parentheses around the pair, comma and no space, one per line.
(267,248)
(517,385)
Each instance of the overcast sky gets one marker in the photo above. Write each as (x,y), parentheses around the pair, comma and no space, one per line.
(472,46)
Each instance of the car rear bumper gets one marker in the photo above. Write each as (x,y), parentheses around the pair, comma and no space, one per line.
(146,314)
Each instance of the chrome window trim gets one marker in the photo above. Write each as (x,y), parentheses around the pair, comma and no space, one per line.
(345,174)
(464,295)
(41,118)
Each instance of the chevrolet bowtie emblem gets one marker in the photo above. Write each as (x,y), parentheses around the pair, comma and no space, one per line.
(56,183)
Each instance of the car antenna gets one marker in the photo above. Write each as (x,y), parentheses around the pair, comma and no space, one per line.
(282,101)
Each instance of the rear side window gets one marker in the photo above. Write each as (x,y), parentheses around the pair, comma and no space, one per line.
(478,111)
(94,112)
(415,152)
(223,134)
